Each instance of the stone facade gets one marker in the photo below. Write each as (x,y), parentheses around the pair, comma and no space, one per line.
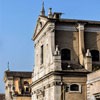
(22,98)
(66,50)
(93,84)
(17,85)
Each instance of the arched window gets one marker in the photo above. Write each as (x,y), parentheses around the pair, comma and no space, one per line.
(26,83)
(74,87)
(95,55)
(65,54)
(26,87)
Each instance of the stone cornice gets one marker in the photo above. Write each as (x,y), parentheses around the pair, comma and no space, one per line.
(93,80)
(41,90)
(48,21)
(61,73)
(74,28)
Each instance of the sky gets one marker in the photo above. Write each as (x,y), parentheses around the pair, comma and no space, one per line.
(17,23)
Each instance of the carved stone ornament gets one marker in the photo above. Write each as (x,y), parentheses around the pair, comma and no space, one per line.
(80,27)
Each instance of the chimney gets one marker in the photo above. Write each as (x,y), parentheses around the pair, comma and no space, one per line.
(57,15)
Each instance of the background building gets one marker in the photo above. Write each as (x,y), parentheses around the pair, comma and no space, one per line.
(17,85)
(66,50)
(2,96)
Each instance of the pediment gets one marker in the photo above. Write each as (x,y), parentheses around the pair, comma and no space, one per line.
(40,24)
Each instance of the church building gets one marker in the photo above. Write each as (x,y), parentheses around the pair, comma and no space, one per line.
(66,50)
(67,62)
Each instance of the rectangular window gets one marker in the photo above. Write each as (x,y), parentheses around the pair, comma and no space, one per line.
(42,54)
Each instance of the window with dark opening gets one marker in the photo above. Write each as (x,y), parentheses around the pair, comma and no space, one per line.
(27,89)
(74,87)
(65,54)
(95,55)
(42,54)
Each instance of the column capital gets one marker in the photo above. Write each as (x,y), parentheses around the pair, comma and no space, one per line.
(80,26)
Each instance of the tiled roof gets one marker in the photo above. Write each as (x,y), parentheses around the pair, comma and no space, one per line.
(2,96)
(18,74)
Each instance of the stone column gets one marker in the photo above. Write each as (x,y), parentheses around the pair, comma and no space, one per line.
(81,42)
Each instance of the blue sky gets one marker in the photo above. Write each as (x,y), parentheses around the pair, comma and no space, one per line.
(17,22)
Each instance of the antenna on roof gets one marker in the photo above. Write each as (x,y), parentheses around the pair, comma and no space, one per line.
(8,66)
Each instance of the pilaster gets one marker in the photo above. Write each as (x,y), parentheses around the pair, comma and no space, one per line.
(51,32)
(81,42)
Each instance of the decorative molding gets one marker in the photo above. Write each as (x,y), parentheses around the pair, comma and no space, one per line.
(53,84)
(40,90)
(91,29)
(58,73)
(93,80)
(47,86)
(66,28)
(74,28)
(81,26)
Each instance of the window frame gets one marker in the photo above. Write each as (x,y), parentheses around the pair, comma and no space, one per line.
(79,90)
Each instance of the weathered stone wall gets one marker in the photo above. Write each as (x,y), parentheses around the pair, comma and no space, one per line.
(80,95)
(47,89)
(69,40)
(91,40)
(46,38)
(8,88)
(93,84)
(22,98)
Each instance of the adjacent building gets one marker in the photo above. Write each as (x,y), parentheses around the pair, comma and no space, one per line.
(17,85)
(66,50)
(93,84)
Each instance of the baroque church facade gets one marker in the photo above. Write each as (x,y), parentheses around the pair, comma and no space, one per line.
(66,51)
